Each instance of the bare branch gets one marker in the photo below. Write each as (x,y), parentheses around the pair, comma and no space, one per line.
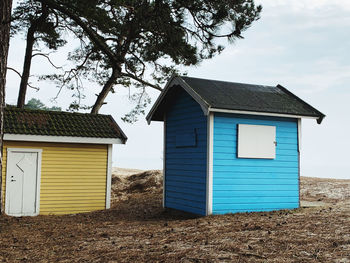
(19,74)
(123,74)
(48,58)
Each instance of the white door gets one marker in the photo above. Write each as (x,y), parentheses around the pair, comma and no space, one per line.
(22,182)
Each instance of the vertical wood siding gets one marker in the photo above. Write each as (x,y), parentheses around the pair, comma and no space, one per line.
(185,172)
(73,176)
(243,185)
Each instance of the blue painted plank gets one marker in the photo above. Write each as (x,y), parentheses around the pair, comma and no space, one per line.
(189,122)
(181,161)
(186,150)
(186,179)
(182,207)
(230,119)
(279,157)
(230,144)
(255,163)
(232,139)
(232,150)
(184,172)
(187,166)
(180,117)
(193,155)
(180,128)
(180,190)
(280,131)
(189,186)
(233,123)
(253,117)
(254,200)
(289,152)
(186,195)
(199,136)
(260,193)
(262,206)
(255,187)
(254,175)
(186,202)
(246,181)
(255,169)
(226,211)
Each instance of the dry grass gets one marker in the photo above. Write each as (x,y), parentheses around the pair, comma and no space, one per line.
(137,229)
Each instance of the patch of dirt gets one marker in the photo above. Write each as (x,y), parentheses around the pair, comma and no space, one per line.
(125,184)
(137,229)
(324,190)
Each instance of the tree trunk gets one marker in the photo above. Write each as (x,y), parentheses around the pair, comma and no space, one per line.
(5,18)
(106,89)
(28,56)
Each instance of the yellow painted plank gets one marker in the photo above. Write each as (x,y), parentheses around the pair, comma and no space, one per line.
(71,208)
(68,198)
(66,212)
(62,191)
(72,159)
(50,172)
(60,181)
(66,176)
(70,204)
(73,166)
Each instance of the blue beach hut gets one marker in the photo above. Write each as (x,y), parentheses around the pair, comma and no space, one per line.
(230,147)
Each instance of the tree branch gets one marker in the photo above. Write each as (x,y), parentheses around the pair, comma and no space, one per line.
(19,74)
(48,58)
(123,74)
(94,37)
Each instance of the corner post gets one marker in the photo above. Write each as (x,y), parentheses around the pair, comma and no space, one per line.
(210,134)
(164,158)
(299,150)
(109,175)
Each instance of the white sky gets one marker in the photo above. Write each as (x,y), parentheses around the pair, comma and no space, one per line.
(302,45)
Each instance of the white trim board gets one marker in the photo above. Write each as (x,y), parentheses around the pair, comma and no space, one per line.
(210,135)
(38,180)
(299,135)
(61,139)
(261,113)
(109,176)
(164,159)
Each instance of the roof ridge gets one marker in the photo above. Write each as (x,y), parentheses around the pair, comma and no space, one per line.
(230,82)
(12,107)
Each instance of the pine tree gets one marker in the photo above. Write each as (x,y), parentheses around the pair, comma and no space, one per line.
(5,19)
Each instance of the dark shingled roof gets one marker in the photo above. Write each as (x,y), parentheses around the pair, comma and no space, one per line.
(242,97)
(59,123)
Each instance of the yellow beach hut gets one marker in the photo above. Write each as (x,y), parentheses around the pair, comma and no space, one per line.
(57,162)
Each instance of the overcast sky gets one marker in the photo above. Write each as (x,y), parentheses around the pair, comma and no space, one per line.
(302,45)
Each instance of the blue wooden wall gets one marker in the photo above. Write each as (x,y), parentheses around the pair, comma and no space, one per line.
(244,185)
(186,156)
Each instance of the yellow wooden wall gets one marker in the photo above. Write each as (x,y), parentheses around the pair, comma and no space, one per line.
(73,176)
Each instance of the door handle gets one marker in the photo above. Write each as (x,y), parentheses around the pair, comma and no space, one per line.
(13,180)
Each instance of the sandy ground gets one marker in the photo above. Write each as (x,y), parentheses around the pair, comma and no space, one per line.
(137,229)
